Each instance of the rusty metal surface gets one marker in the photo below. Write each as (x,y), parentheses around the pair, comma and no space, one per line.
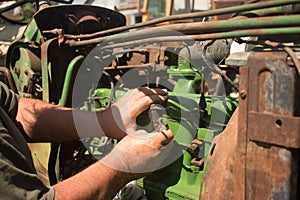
(285,130)
(224,176)
(272,82)
(272,157)
(221,181)
(270,172)
(258,156)
(272,102)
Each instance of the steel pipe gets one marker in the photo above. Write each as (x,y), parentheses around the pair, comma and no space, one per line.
(68,78)
(196,28)
(212,36)
(242,8)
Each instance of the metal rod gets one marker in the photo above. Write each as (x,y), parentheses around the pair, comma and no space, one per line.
(268,11)
(132,66)
(293,57)
(67,82)
(196,28)
(221,35)
(242,8)
(248,23)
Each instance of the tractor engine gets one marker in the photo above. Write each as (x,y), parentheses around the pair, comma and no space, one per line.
(85,57)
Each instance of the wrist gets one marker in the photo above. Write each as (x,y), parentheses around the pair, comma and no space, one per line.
(109,124)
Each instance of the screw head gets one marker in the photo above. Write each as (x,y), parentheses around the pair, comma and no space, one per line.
(243,94)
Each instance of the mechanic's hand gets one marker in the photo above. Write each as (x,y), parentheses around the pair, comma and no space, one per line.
(141,153)
(133,103)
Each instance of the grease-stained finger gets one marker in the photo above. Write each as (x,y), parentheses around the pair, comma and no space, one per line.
(158,98)
(152,91)
(168,134)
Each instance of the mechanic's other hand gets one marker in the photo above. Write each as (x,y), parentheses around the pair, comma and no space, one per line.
(141,153)
(132,104)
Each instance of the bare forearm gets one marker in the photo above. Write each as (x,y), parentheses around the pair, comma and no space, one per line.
(96,182)
(132,158)
(43,122)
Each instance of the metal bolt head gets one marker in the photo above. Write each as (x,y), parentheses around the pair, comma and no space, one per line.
(243,94)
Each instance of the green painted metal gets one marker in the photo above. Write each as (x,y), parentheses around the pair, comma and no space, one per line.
(32,32)
(221,35)
(288,25)
(104,97)
(62,102)
(249,33)
(21,77)
(239,24)
(68,78)
(203,27)
(182,179)
(187,80)
(267,11)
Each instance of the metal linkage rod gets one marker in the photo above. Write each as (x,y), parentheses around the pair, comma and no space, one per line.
(242,8)
(213,28)
(239,24)
(221,35)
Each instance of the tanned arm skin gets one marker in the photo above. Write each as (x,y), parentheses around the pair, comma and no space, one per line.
(43,122)
(102,181)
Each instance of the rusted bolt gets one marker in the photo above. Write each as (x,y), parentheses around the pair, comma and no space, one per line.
(243,94)
(192,148)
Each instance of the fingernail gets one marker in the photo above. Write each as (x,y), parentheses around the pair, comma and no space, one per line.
(165,90)
(165,98)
